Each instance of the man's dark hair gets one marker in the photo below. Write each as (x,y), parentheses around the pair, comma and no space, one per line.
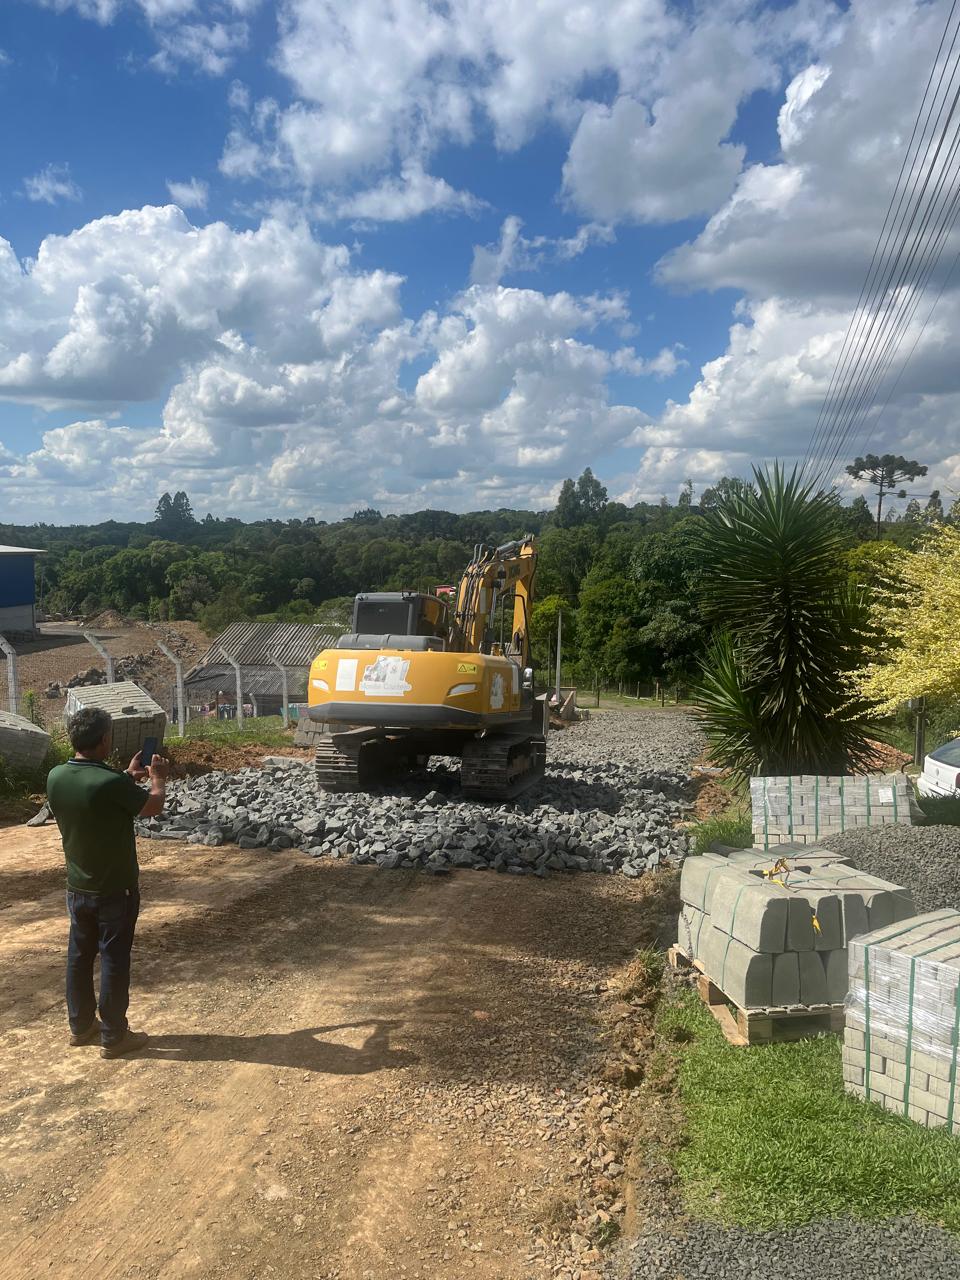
(87,727)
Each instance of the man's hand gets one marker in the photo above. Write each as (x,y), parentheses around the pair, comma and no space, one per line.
(159,769)
(159,772)
(135,767)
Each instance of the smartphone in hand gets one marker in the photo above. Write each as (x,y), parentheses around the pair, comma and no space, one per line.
(147,752)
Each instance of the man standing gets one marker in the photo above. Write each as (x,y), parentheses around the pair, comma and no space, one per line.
(95,807)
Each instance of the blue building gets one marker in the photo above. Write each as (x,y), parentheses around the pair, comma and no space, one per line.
(18,606)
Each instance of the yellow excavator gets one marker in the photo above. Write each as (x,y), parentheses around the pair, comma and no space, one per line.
(417,677)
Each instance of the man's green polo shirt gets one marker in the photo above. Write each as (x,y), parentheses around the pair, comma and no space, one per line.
(95,806)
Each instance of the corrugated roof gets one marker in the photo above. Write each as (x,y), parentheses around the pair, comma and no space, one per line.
(20,551)
(295,644)
(206,681)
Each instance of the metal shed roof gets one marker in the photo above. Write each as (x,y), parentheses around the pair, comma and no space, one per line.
(294,644)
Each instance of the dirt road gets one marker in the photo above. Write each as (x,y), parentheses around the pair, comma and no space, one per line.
(352,1073)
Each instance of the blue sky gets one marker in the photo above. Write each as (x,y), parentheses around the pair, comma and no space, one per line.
(670,238)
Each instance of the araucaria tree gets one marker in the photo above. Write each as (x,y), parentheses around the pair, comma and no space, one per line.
(919,619)
(885,474)
(790,630)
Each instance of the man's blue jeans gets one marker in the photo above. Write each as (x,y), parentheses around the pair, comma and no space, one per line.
(104,923)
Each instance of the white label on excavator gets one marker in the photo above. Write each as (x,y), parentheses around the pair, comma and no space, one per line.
(496,692)
(346,675)
(386,678)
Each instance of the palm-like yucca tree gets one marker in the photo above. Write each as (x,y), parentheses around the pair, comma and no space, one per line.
(775,690)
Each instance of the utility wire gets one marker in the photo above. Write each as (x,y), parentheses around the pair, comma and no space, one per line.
(867,289)
(922,211)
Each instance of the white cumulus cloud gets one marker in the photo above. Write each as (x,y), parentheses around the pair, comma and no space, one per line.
(286,373)
(51,184)
(193,194)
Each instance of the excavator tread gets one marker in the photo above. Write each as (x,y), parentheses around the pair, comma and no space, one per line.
(501,766)
(336,770)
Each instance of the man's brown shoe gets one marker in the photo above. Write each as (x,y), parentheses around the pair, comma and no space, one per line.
(131,1042)
(87,1037)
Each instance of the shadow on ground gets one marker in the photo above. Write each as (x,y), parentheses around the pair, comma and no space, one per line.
(300,1049)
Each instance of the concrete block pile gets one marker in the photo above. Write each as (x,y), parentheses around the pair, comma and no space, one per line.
(775,932)
(806,809)
(136,716)
(903,1018)
(23,745)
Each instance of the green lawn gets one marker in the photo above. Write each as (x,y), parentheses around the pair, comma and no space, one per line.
(266,731)
(772,1139)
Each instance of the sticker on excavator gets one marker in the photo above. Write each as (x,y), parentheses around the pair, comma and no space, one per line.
(466,668)
(322,664)
(346,675)
(496,692)
(386,678)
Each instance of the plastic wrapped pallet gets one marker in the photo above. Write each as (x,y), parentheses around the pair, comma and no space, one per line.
(135,715)
(903,1018)
(774,931)
(23,744)
(806,809)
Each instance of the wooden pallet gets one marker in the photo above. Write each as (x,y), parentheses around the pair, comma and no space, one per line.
(769,1025)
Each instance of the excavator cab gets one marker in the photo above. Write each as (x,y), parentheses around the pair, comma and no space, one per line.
(398,620)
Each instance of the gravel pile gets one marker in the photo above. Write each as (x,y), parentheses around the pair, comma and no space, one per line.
(839,1249)
(924,859)
(616,787)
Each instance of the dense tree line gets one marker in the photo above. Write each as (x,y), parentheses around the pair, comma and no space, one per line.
(624,578)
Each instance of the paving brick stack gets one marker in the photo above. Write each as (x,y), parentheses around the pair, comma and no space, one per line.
(136,716)
(903,1019)
(770,937)
(807,809)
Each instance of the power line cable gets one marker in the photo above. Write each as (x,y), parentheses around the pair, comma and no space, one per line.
(918,220)
(867,290)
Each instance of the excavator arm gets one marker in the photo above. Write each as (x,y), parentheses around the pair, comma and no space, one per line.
(494,575)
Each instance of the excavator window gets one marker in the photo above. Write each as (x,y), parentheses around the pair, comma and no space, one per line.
(400,614)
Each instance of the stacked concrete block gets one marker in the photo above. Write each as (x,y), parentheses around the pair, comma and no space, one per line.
(23,745)
(900,1045)
(775,931)
(135,715)
(806,809)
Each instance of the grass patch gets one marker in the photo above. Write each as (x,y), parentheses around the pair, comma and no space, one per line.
(773,1140)
(732,828)
(19,790)
(264,731)
(941,811)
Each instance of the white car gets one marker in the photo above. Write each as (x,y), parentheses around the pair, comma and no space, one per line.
(941,771)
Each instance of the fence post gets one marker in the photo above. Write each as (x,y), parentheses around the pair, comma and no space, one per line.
(236,673)
(181,700)
(285,711)
(919,741)
(108,660)
(677,694)
(13,693)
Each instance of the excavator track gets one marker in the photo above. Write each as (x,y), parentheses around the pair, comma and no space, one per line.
(336,770)
(359,760)
(501,765)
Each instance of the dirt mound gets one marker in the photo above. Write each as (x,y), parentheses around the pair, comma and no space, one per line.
(886,759)
(194,757)
(108,618)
